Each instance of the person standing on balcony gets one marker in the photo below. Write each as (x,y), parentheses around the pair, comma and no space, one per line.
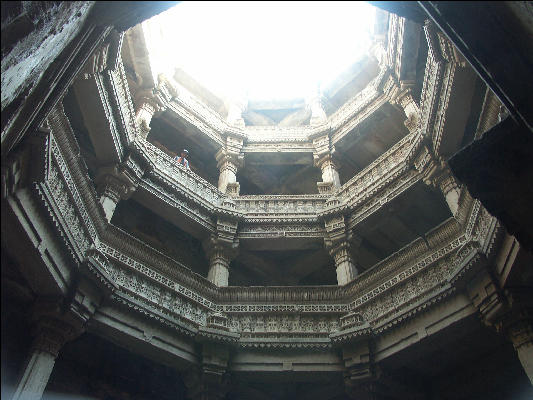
(182,160)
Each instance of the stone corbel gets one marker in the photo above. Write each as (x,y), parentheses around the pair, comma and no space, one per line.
(113,184)
(217,331)
(93,285)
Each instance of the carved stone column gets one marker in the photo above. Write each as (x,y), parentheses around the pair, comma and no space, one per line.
(113,184)
(219,259)
(355,340)
(338,243)
(51,332)
(236,107)
(330,173)
(344,264)
(509,311)
(221,249)
(516,323)
(227,166)
(229,160)
(442,178)
(318,115)
(210,381)
(148,106)
(406,101)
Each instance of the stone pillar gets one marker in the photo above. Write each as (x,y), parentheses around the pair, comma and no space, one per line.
(516,323)
(148,106)
(221,248)
(236,107)
(113,185)
(323,158)
(355,340)
(330,172)
(509,311)
(406,101)
(442,178)
(318,115)
(344,263)
(229,160)
(219,260)
(338,242)
(50,335)
(228,171)
(210,381)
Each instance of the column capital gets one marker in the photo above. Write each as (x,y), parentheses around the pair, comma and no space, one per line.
(326,160)
(115,180)
(147,106)
(403,96)
(52,327)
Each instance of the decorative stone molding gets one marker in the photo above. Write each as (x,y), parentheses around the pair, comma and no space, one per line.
(148,283)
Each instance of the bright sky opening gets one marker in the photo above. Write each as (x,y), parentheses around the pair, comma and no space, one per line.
(265,50)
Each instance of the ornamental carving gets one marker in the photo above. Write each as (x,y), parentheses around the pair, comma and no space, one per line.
(147,282)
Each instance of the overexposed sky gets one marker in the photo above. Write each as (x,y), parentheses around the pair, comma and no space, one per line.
(268,50)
